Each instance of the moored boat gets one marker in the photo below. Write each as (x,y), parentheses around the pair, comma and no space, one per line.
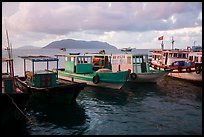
(138,67)
(126,49)
(13,99)
(45,85)
(91,70)
(185,64)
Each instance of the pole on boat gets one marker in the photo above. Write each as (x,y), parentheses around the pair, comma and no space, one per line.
(57,66)
(9,54)
(162,44)
(172,42)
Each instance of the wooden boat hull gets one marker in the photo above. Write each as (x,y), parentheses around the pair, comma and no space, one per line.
(150,77)
(192,76)
(88,78)
(65,91)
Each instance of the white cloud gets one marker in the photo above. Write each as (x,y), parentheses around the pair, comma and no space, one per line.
(119,23)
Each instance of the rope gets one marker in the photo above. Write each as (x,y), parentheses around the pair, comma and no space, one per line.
(19,109)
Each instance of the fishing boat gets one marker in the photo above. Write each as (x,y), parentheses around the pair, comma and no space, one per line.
(45,85)
(184,63)
(63,49)
(138,67)
(85,68)
(13,99)
(129,49)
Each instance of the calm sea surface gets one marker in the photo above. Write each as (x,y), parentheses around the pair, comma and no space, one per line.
(170,107)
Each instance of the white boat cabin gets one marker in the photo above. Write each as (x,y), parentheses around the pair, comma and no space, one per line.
(195,56)
(167,57)
(131,62)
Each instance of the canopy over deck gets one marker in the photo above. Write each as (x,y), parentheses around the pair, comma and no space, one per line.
(39,58)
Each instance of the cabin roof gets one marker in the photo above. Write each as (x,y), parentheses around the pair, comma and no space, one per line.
(39,58)
(96,54)
(139,54)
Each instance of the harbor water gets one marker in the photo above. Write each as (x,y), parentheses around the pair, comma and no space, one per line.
(170,107)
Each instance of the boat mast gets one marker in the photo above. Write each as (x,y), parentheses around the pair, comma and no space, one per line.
(9,50)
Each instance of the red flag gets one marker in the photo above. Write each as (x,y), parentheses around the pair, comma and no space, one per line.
(161,38)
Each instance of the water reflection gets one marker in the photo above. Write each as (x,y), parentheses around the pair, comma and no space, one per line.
(107,96)
(57,117)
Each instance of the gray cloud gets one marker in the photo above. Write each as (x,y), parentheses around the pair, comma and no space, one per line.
(118,23)
(62,18)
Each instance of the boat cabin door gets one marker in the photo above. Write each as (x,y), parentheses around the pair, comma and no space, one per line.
(166,58)
(139,64)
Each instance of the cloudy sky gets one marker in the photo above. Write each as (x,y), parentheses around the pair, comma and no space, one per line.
(121,24)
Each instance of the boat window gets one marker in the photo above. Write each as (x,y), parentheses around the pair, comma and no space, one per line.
(158,57)
(71,59)
(155,57)
(196,59)
(138,59)
(78,60)
(175,54)
(184,55)
(133,60)
(67,58)
(191,58)
(144,59)
(179,55)
(128,60)
(85,60)
(170,54)
(88,60)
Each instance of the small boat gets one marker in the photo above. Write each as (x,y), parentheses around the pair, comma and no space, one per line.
(63,49)
(82,68)
(126,49)
(185,64)
(77,53)
(138,67)
(45,85)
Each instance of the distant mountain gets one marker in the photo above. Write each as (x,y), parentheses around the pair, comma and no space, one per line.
(79,44)
(29,47)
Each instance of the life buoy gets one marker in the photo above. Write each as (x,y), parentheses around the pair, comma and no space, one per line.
(133,76)
(96,79)
(198,68)
(188,69)
(198,71)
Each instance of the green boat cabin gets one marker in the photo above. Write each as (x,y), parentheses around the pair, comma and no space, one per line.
(78,64)
(100,61)
(40,78)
